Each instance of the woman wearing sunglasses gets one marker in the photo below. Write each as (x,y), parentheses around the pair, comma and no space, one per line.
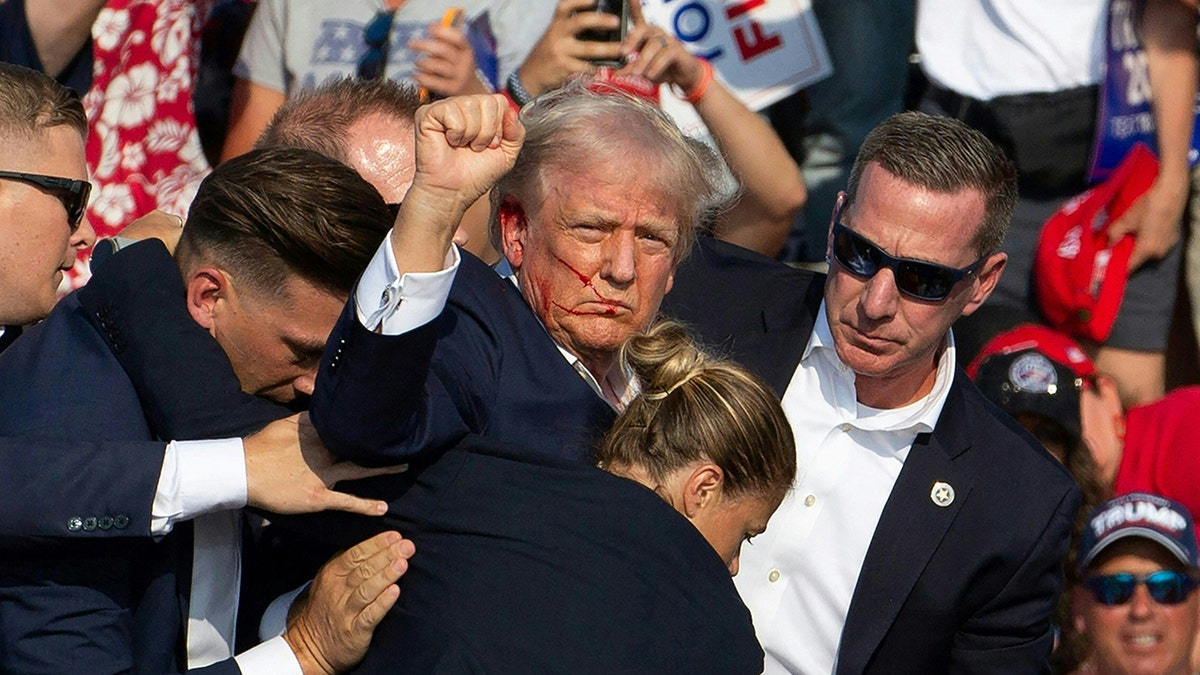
(1137,604)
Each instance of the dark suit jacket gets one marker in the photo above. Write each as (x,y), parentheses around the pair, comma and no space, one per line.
(528,564)
(87,606)
(486,365)
(965,588)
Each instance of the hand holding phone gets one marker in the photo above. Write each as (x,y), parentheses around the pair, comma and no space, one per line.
(447,66)
(618,8)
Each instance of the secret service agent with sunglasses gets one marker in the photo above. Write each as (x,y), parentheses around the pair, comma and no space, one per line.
(1137,603)
(926,533)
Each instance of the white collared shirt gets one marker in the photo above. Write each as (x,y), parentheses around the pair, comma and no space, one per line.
(798,577)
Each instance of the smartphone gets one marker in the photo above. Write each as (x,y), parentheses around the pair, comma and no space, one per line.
(618,8)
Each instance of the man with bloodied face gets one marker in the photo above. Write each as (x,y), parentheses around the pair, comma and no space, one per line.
(593,218)
(495,388)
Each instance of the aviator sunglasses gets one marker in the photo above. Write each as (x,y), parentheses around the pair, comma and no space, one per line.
(914,278)
(72,193)
(1166,587)
(377,36)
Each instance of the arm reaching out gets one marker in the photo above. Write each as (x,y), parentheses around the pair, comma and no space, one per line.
(289,470)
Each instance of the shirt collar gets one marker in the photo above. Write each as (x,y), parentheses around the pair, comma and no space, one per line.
(921,415)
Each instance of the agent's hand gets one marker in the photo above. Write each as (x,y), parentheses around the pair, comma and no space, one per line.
(155,225)
(330,627)
(289,470)
(447,67)
(656,55)
(560,53)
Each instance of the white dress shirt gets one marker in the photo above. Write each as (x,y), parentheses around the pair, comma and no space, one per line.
(798,577)
(205,482)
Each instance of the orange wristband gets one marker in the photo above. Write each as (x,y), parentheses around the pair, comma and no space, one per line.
(701,88)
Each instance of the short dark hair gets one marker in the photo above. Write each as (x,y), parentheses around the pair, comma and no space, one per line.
(944,155)
(320,119)
(31,101)
(277,212)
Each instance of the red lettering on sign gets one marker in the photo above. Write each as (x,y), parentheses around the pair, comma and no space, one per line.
(756,44)
(742,7)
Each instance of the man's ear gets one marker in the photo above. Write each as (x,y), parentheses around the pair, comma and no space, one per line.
(1077,617)
(833,218)
(513,224)
(207,287)
(702,488)
(985,281)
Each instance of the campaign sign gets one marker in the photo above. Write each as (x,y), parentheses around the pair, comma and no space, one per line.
(483,43)
(1125,117)
(762,50)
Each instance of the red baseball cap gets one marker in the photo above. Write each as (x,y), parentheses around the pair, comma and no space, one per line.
(1034,369)
(1079,279)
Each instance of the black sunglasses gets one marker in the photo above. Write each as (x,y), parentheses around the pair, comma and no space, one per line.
(1166,587)
(72,193)
(377,36)
(915,278)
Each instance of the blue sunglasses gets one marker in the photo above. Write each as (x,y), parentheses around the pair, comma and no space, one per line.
(1166,587)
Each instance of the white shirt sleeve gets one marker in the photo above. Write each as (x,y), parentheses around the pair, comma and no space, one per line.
(198,477)
(393,303)
(273,657)
(274,620)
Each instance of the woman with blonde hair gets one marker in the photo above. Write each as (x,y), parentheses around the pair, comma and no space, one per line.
(707,436)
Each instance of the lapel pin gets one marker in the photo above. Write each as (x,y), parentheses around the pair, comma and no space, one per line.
(942,494)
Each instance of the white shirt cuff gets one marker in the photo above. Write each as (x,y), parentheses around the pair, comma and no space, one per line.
(273,657)
(274,620)
(198,477)
(395,303)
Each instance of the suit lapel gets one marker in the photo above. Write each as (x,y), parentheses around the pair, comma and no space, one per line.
(910,529)
(773,351)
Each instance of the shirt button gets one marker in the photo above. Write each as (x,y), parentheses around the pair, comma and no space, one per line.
(845,427)
(810,500)
(773,576)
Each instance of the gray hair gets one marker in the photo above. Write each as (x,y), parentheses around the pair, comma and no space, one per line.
(567,128)
(944,155)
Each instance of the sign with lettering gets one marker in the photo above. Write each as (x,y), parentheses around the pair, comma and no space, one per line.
(762,50)
(1125,117)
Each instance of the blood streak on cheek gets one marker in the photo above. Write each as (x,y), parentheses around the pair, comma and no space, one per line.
(608,311)
(587,283)
(583,278)
(543,287)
